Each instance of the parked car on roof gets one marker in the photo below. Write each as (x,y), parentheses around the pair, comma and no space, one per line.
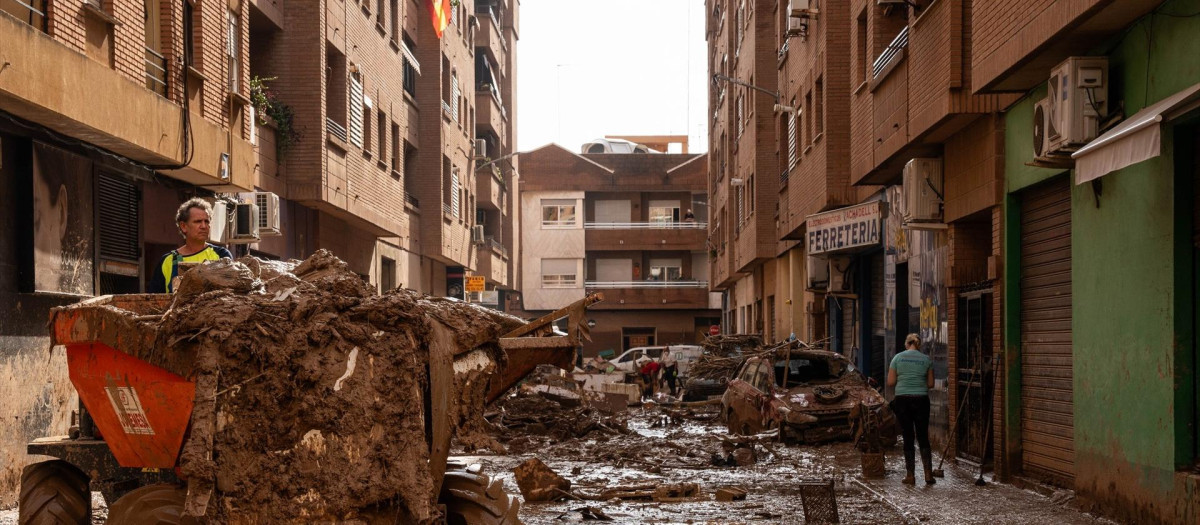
(808,395)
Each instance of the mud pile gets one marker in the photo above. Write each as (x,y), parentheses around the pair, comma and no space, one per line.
(311,389)
(532,414)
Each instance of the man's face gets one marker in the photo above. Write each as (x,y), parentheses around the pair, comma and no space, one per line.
(195,229)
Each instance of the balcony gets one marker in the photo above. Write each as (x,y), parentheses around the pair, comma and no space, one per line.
(489,112)
(490,189)
(493,262)
(685,236)
(32,12)
(650,295)
(490,38)
(156,72)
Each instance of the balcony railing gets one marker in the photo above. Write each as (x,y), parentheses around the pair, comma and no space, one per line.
(410,78)
(156,72)
(32,13)
(497,246)
(645,284)
(890,52)
(682,225)
(336,129)
(412,199)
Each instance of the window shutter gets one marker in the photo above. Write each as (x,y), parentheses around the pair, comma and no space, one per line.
(791,140)
(454,193)
(233,40)
(356,111)
(455,95)
(119,218)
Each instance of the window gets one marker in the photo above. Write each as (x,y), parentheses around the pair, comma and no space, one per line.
(860,47)
(366,117)
(395,11)
(750,193)
(741,26)
(382,126)
(335,90)
(189,33)
(808,123)
(380,13)
(396,152)
(741,114)
(665,270)
(558,212)
(560,273)
(233,46)
(357,118)
(662,212)
(819,110)
(410,66)
(410,172)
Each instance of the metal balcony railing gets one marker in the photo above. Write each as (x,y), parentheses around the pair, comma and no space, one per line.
(890,52)
(495,245)
(412,199)
(336,129)
(645,284)
(156,72)
(682,225)
(410,78)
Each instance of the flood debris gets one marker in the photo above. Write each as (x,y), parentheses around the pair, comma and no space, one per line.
(538,483)
(727,494)
(588,514)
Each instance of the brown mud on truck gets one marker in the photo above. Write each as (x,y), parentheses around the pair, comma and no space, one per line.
(265,392)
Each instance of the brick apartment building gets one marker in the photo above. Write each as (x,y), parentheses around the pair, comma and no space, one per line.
(112,113)
(616,223)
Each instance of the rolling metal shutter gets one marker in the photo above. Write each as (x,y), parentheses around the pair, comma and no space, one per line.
(1047,409)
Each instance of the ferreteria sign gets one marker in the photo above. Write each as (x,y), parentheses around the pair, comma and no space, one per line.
(843,229)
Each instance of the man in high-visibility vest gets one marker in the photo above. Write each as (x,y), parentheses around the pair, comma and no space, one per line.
(193,220)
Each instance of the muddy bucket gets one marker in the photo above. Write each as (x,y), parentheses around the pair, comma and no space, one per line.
(872,465)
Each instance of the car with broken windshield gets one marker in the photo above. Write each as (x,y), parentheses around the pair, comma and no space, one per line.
(809,395)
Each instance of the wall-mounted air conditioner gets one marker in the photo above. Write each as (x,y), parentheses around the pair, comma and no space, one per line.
(477,234)
(839,267)
(268,211)
(923,190)
(1076,102)
(818,273)
(480,149)
(222,226)
(245,224)
(802,9)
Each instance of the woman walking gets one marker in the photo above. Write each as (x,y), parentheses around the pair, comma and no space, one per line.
(911,373)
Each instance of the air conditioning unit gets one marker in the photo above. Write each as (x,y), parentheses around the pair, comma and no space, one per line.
(222,226)
(838,268)
(268,211)
(245,224)
(477,234)
(923,190)
(797,27)
(480,149)
(802,9)
(818,273)
(1076,102)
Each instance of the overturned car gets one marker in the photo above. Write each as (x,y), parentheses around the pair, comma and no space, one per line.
(811,396)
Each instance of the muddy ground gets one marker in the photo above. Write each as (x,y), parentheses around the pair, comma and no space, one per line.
(658,450)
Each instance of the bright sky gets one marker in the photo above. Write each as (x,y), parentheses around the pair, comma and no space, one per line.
(615,67)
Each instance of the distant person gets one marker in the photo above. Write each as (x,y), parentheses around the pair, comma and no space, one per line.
(193,220)
(689,217)
(911,373)
(670,370)
(649,372)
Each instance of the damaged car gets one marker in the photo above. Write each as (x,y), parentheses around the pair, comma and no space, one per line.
(810,396)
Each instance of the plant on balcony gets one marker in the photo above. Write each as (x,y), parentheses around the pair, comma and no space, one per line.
(267,104)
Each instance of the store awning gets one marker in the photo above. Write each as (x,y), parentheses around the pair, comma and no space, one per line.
(1136,139)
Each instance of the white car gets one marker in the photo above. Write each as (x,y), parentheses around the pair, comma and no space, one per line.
(684,355)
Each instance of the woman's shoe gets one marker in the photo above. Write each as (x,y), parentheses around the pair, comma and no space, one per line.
(909,479)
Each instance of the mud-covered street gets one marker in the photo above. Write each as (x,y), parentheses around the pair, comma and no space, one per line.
(661,451)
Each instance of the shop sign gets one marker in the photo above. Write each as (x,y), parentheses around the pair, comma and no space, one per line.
(475,283)
(844,229)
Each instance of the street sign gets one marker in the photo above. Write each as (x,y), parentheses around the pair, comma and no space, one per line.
(714,330)
(475,283)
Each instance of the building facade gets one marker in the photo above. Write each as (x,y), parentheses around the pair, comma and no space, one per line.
(112,113)
(617,223)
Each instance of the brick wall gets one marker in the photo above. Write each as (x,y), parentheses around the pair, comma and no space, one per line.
(973,167)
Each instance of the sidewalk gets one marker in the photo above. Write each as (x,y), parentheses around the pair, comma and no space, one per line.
(956,499)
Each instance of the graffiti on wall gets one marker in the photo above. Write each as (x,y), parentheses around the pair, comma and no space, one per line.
(62,222)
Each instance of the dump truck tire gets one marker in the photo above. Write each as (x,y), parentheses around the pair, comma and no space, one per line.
(161,503)
(472,498)
(54,492)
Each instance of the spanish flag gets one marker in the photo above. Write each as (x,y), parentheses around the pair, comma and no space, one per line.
(439,11)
